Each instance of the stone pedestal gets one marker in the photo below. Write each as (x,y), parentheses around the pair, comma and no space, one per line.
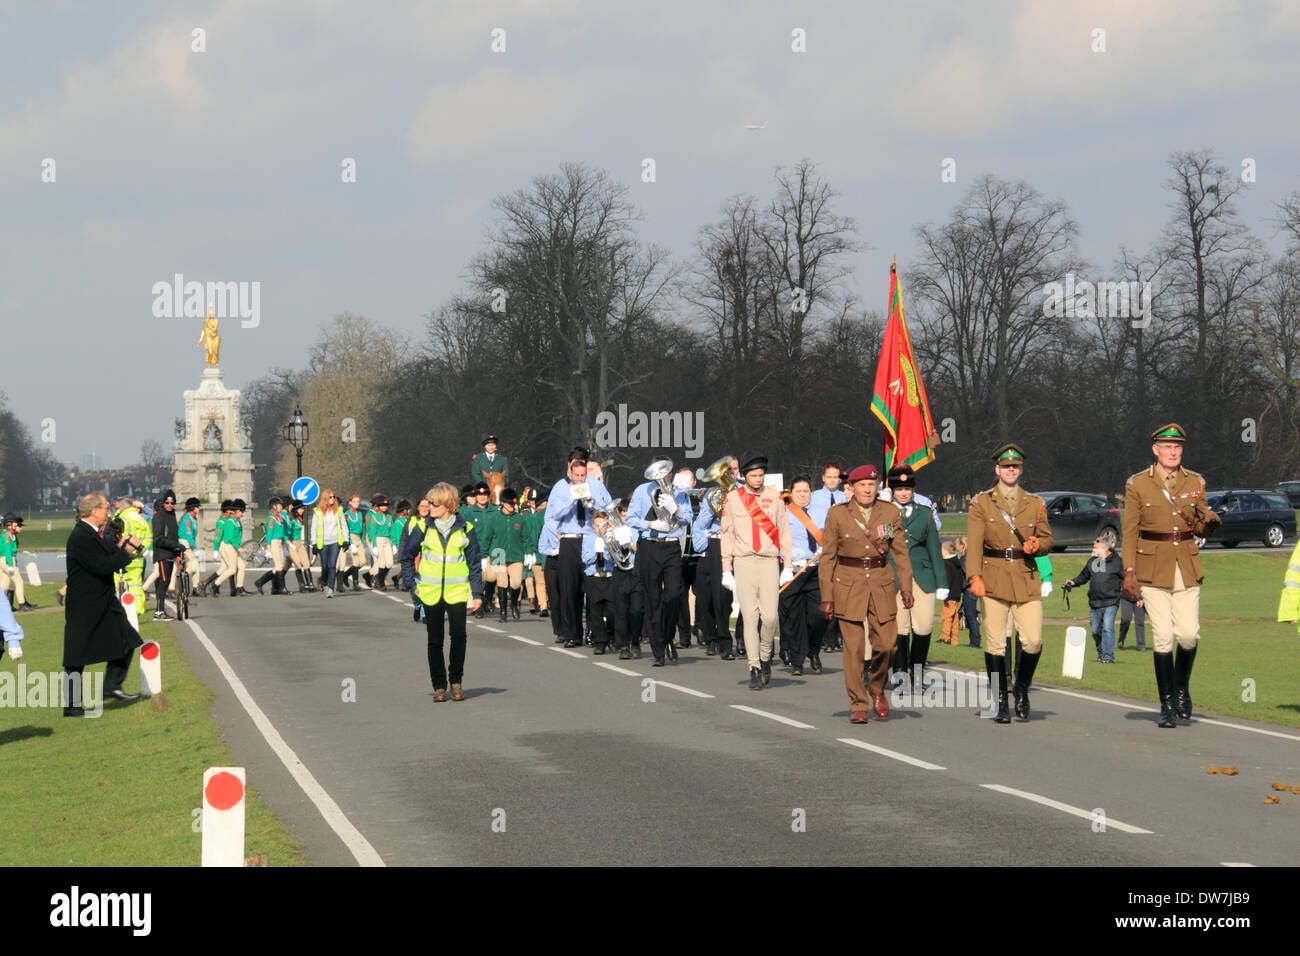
(214,458)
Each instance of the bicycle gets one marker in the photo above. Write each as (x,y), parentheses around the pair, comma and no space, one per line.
(184,585)
(256,554)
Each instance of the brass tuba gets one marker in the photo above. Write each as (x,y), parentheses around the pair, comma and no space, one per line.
(623,555)
(719,471)
(658,472)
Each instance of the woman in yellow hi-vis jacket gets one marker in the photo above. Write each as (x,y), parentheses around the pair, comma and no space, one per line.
(1288,609)
(448,583)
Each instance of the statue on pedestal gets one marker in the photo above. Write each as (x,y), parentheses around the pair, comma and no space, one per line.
(210,339)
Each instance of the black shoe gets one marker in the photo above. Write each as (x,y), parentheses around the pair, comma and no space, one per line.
(659,662)
(26,606)
(258,585)
(785,657)
(244,592)
(636,651)
(501,618)
(712,649)
(755,679)
(672,652)
(767,672)
(598,649)
(120,694)
(815,662)
(728,656)
(415,614)
(796,670)
(480,612)
(624,654)
(162,616)
(544,613)
(572,643)
(74,712)
(1183,660)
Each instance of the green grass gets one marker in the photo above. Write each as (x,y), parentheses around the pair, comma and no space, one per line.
(1240,640)
(119,790)
(34,537)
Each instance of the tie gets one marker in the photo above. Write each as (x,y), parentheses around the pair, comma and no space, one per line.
(907,512)
(582,513)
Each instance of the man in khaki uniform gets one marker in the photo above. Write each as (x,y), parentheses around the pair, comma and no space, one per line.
(858,584)
(1006,528)
(755,532)
(1164,510)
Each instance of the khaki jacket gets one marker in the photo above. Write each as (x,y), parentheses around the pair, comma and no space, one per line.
(854,591)
(1016,580)
(1147,509)
(737,536)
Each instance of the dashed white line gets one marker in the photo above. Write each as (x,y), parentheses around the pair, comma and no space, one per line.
(1065,807)
(562,650)
(892,754)
(492,629)
(516,637)
(352,838)
(686,690)
(777,717)
(616,669)
(1238,864)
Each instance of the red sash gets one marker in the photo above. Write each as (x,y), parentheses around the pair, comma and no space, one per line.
(759,519)
(814,531)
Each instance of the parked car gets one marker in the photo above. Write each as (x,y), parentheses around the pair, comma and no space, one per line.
(1251,515)
(1292,490)
(1078,519)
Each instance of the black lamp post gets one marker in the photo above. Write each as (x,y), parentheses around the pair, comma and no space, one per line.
(296,434)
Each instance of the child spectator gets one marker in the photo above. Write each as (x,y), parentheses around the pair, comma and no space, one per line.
(956,585)
(1104,574)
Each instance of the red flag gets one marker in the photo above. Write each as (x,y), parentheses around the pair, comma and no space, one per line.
(898,398)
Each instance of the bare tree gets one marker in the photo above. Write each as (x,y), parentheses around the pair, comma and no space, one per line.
(1275,331)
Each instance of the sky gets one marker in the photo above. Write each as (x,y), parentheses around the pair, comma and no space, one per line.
(227,164)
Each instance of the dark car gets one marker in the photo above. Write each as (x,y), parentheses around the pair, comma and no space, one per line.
(1292,490)
(1079,519)
(1251,515)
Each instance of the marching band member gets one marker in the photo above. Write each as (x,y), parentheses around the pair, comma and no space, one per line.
(802,624)
(660,517)
(712,600)
(569,518)
(598,584)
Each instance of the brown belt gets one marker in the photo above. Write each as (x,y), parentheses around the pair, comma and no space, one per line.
(861,562)
(1165,535)
(1011,554)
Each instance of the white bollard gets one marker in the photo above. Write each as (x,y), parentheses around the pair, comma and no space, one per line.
(132,615)
(150,669)
(223,817)
(33,574)
(1075,641)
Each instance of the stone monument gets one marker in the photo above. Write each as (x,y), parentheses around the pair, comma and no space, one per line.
(214,457)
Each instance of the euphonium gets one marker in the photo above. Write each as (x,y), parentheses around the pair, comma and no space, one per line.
(719,471)
(658,472)
(623,555)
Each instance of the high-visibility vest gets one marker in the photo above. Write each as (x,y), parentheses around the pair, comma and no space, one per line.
(1288,608)
(443,574)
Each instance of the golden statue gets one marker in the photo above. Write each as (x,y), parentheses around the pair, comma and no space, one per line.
(210,338)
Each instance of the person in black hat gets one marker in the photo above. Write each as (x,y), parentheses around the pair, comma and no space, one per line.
(276,534)
(490,468)
(930,580)
(480,516)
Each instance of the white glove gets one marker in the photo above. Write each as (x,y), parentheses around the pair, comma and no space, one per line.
(485,564)
(623,535)
(216,555)
(660,525)
(668,504)
(15,652)
(729,581)
(941,593)
(354,550)
(529,560)
(786,577)
(1047,588)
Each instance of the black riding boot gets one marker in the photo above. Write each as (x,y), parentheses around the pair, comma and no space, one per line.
(1164,664)
(260,582)
(996,666)
(1183,660)
(1024,676)
(505,602)
(311,580)
(514,602)
(900,654)
(277,583)
(920,652)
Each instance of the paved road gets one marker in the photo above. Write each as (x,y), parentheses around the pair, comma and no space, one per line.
(581,769)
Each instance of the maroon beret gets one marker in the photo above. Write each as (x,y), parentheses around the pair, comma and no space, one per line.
(863,472)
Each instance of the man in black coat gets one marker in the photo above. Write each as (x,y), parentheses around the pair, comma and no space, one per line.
(95,625)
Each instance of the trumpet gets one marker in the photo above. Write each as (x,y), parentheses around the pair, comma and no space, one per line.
(658,472)
(623,555)
(719,471)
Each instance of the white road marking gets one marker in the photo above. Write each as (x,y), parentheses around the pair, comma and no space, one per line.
(893,754)
(777,717)
(397,599)
(1128,705)
(492,629)
(687,690)
(1238,864)
(565,650)
(360,847)
(616,669)
(1058,805)
(516,637)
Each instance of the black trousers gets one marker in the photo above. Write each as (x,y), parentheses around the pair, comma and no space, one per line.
(802,625)
(114,676)
(712,600)
(600,606)
(690,571)
(551,577)
(433,618)
(629,608)
(569,587)
(661,572)
(166,568)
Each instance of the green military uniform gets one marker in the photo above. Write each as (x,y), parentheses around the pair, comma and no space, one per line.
(1004,561)
(1162,517)
(916,624)
(493,471)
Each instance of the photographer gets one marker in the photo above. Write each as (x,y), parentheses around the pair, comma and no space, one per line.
(96,628)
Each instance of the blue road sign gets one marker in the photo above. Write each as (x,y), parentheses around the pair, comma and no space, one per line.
(305,490)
